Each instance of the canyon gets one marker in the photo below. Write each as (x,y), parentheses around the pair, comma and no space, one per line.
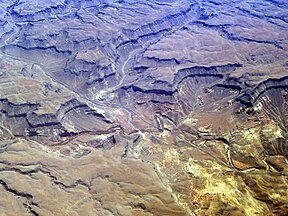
(156,107)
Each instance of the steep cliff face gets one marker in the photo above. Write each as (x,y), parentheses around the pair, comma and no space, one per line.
(143,107)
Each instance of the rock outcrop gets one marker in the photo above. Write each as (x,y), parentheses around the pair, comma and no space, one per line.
(143,107)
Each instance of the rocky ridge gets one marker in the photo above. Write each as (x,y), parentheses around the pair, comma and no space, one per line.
(143,108)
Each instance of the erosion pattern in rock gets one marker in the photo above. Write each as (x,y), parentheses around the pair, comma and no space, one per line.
(154,107)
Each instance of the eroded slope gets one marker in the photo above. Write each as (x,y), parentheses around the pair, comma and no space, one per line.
(143,107)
